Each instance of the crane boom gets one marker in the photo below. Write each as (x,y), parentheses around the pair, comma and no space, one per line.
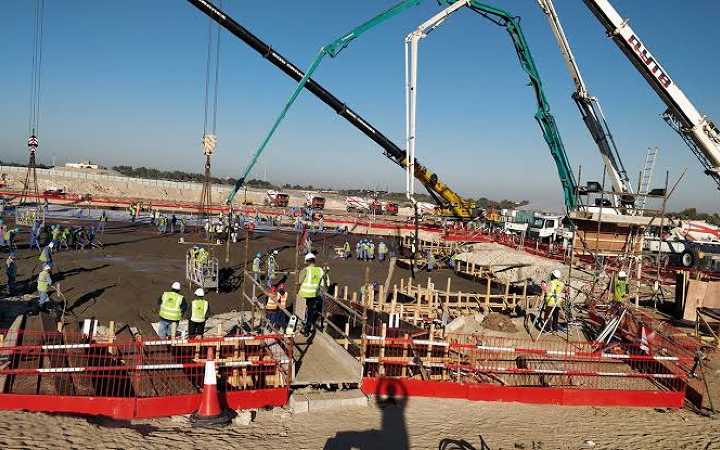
(699,133)
(589,107)
(452,202)
(543,116)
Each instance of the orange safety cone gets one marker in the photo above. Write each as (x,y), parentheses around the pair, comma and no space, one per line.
(210,413)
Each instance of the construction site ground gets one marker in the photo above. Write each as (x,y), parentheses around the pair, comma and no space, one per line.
(415,423)
(123,280)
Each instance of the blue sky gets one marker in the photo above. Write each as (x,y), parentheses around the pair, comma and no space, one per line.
(123,84)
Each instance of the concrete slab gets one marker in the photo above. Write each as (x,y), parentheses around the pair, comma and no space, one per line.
(311,401)
(322,361)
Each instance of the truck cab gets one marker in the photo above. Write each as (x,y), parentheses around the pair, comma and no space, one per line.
(546,226)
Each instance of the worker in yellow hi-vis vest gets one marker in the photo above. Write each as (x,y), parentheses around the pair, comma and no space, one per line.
(172,306)
(553,297)
(312,279)
(199,310)
(620,288)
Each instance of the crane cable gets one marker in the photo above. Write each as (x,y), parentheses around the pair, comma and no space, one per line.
(211,88)
(34,110)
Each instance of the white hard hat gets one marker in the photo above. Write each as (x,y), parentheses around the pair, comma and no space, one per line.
(275,252)
(622,274)
(176,286)
(47,267)
(556,273)
(309,256)
(200,292)
(51,244)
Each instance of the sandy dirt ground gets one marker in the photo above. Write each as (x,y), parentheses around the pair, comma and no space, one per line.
(412,423)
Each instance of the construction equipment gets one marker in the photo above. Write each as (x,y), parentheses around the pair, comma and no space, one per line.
(314,201)
(543,116)
(591,113)
(275,198)
(698,132)
(451,203)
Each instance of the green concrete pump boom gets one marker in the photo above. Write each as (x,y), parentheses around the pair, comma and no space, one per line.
(332,49)
(543,116)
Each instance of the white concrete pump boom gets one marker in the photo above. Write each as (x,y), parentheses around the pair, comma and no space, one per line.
(700,134)
(411,65)
(589,108)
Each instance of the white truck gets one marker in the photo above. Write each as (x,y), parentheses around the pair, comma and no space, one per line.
(275,198)
(314,201)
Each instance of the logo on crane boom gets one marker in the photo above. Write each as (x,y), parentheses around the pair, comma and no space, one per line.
(647,58)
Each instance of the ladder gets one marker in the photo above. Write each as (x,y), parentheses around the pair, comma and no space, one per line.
(646,174)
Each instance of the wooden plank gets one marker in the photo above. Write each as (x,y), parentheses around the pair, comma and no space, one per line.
(57,383)
(141,386)
(10,339)
(166,382)
(27,384)
(77,358)
(696,292)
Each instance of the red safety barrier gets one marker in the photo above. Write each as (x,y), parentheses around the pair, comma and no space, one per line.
(483,367)
(131,378)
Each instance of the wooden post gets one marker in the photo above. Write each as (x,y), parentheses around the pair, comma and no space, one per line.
(354,297)
(430,346)
(345,293)
(111,335)
(402,284)
(347,335)
(488,291)
(507,293)
(383,333)
(406,337)
(247,248)
(381,300)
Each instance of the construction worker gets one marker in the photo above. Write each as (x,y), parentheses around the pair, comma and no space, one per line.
(272,311)
(199,309)
(312,279)
(35,234)
(172,306)
(56,236)
(64,238)
(552,298)
(363,250)
(182,225)
(430,261)
(201,257)
(102,221)
(46,255)
(382,250)
(371,251)
(271,267)
(11,272)
(44,283)
(620,288)
(346,250)
(358,249)
(256,267)
(10,238)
